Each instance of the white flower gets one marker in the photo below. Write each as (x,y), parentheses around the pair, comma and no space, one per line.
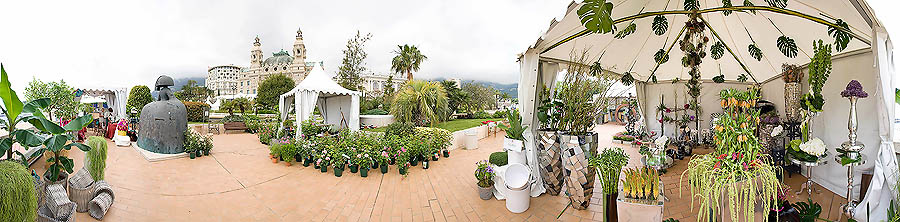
(777,131)
(815,147)
(661,141)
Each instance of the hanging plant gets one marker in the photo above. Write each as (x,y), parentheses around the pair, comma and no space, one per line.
(660,25)
(627,79)
(691,5)
(661,56)
(777,3)
(596,15)
(841,38)
(755,52)
(787,46)
(719,79)
(628,30)
(742,77)
(717,50)
(726,4)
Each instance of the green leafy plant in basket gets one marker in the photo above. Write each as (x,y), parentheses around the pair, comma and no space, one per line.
(737,176)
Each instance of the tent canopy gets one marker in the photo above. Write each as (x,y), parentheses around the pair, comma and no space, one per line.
(643,44)
(338,106)
(115,97)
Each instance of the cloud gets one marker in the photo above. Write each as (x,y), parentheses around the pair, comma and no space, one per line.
(126,43)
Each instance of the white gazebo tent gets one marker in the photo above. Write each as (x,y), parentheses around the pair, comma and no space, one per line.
(867,59)
(115,97)
(338,106)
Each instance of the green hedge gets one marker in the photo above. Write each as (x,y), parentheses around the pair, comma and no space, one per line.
(499,158)
(19,199)
(196,111)
(401,129)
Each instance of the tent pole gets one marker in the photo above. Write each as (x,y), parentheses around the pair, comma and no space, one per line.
(667,53)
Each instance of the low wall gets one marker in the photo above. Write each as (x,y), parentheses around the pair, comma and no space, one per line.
(481,132)
(376,120)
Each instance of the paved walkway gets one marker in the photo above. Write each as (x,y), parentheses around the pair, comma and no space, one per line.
(238,182)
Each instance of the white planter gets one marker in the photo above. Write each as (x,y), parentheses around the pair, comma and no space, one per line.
(514,150)
(471,139)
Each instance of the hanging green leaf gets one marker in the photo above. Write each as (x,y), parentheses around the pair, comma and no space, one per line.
(841,37)
(626,31)
(748,3)
(719,79)
(777,3)
(596,15)
(627,79)
(690,5)
(653,77)
(726,4)
(755,52)
(660,25)
(742,77)
(717,50)
(661,57)
(787,46)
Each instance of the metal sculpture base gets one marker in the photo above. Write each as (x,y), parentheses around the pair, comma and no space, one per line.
(808,186)
(849,208)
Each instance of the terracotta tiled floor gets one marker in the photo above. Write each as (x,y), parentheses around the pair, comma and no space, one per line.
(239,183)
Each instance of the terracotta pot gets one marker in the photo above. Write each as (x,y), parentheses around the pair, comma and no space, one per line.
(486,192)
(274,160)
(287,163)
(550,160)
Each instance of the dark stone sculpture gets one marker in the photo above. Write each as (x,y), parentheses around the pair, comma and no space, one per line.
(163,122)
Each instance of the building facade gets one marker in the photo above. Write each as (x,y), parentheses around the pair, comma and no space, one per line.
(375,84)
(223,80)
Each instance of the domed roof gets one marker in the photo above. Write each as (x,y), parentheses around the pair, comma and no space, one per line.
(278,58)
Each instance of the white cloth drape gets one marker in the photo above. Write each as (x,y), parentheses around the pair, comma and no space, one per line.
(304,106)
(884,178)
(528,88)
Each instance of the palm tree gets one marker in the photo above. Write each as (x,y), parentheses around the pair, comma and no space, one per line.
(407,60)
(421,102)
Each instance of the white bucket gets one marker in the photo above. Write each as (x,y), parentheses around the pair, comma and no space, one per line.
(518,180)
(471,139)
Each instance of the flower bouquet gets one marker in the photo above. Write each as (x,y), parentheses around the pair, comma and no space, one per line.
(809,151)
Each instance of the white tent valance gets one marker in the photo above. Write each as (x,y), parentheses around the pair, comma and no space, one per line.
(115,97)
(338,106)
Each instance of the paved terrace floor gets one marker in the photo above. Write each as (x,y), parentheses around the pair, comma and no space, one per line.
(238,182)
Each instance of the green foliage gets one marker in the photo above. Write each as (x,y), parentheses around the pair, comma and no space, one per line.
(137,98)
(726,4)
(755,52)
(627,79)
(369,103)
(484,173)
(400,129)
(660,25)
(690,5)
(19,199)
(311,128)
(499,114)
(287,152)
(12,108)
(742,77)
(596,16)
(809,210)
(97,157)
(271,88)
(481,114)
(897,96)
(717,50)
(434,139)
(777,3)
(63,103)
(841,36)
(421,102)
(515,128)
(787,46)
(375,112)
(819,70)
(456,97)
(407,60)
(60,138)
(354,62)
(480,97)
(194,141)
(719,79)
(661,56)
(609,165)
(192,92)
(579,107)
(196,111)
(628,30)
(499,158)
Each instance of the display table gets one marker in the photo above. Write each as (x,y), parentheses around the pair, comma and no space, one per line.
(808,186)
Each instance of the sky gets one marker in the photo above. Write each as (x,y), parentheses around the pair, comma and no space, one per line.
(124,43)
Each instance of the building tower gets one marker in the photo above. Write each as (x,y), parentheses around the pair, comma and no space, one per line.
(256,56)
(299,49)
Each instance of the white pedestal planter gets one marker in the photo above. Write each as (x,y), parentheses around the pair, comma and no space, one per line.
(514,150)
(518,183)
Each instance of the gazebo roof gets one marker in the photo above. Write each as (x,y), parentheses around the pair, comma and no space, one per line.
(319,81)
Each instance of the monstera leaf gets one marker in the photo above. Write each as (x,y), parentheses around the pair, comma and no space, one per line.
(626,31)
(726,4)
(742,77)
(661,56)
(719,79)
(717,50)
(787,46)
(690,5)
(755,52)
(777,3)
(596,15)
(841,37)
(660,25)
(653,77)
(627,79)
(748,3)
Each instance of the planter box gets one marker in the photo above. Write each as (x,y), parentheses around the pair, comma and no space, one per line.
(376,120)
(629,209)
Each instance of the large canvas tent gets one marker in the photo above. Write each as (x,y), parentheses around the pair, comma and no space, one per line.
(115,97)
(867,59)
(338,106)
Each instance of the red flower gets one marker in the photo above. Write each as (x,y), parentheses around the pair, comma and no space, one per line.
(722,156)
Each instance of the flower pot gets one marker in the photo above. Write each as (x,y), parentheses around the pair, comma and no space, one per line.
(364,172)
(392,161)
(316,166)
(792,101)
(551,164)
(610,204)
(576,150)
(485,192)
(414,162)
(274,160)
(425,164)
(193,155)
(338,171)
(298,158)
(287,163)
(206,152)
(629,209)
(434,157)
(374,165)
(446,153)
(354,168)
(323,169)
(306,162)
(402,170)
(384,168)
(199,153)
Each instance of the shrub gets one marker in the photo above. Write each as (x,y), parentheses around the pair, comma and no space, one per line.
(193,141)
(97,157)
(421,102)
(498,158)
(434,139)
(137,98)
(196,111)
(311,128)
(500,114)
(400,129)
(482,115)
(287,152)
(19,199)
(375,112)
(233,118)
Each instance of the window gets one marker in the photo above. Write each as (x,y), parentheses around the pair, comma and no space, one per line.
(242,83)
(254,91)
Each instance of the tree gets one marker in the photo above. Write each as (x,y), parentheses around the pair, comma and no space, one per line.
(271,88)
(389,85)
(241,104)
(354,62)
(407,60)
(138,97)
(420,102)
(194,93)
(62,96)
(455,96)
(481,97)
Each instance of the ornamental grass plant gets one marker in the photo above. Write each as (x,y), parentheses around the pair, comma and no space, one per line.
(18,201)
(97,157)
(737,176)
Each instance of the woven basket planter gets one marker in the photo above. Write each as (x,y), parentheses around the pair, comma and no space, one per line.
(103,199)
(792,101)
(39,187)
(44,214)
(81,189)
(580,176)
(57,202)
(550,161)
(765,135)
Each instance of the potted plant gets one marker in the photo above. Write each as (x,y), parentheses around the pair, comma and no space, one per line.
(364,161)
(19,196)
(736,178)
(403,159)
(609,165)
(274,151)
(484,173)
(809,151)
(339,161)
(641,189)
(190,149)
(287,153)
(792,74)
(383,161)
(549,153)
(514,140)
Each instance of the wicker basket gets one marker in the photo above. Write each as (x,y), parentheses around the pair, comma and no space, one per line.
(57,201)
(39,187)
(792,101)
(44,214)
(102,200)
(81,189)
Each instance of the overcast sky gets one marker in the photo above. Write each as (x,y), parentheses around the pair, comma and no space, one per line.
(124,43)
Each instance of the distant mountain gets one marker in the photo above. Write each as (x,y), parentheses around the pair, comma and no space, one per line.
(511,89)
(179,82)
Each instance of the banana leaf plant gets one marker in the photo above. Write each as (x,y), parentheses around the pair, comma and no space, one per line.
(15,112)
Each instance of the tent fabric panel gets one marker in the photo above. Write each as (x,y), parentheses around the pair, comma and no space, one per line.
(528,83)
